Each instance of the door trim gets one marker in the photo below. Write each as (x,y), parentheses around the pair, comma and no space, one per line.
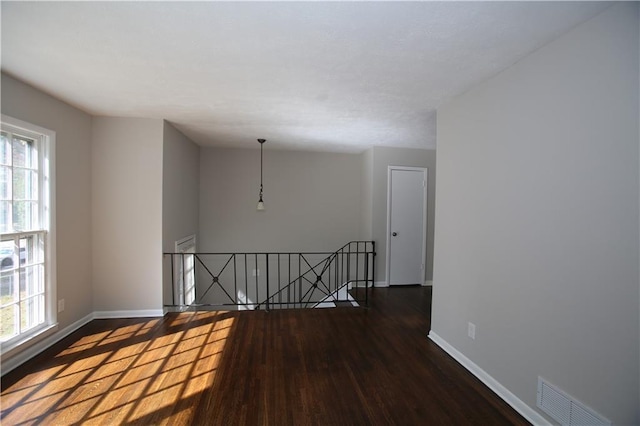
(425,172)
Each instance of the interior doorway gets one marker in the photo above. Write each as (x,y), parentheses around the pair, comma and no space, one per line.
(406,225)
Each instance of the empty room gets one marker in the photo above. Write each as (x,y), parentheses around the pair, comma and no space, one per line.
(320,213)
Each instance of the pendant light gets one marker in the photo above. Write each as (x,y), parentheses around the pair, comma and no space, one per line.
(260,202)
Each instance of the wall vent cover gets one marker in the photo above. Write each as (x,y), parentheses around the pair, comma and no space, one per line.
(565,409)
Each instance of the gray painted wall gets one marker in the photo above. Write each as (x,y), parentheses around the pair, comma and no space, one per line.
(73,189)
(313,200)
(180,194)
(383,158)
(366,224)
(127,213)
(537,219)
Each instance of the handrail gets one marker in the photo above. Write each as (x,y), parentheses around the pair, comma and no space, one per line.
(327,261)
(228,273)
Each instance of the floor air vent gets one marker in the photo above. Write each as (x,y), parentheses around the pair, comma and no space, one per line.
(564,409)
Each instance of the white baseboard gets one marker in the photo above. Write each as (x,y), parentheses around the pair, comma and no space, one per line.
(385,284)
(35,349)
(516,403)
(143,313)
(376,284)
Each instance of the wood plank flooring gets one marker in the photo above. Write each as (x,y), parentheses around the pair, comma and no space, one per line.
(343,366)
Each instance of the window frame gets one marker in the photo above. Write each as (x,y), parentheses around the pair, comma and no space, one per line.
(46,140)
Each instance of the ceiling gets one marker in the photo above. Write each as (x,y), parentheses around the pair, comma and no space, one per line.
(321,76)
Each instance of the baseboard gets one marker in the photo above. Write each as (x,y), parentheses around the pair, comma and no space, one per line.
(427,284)
(376,284)
(35,349)
(516,403)
(143,313)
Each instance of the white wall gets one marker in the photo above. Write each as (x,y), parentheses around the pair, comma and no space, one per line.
(537,219)
(127,214)
(366,223)
(312,200)
(180,195)
(73,189)
(384,157)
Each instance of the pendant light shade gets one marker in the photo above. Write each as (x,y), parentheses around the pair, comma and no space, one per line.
(260,202)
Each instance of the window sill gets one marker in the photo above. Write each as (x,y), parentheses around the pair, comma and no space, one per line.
(13,347)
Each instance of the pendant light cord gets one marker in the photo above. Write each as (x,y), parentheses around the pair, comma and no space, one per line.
(262,141)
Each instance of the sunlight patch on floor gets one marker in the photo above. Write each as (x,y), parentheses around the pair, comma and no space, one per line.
(125,374)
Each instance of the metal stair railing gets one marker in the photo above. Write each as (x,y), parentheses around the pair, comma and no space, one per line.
(251,281)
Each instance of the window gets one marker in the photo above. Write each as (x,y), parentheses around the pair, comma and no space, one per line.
(27,284)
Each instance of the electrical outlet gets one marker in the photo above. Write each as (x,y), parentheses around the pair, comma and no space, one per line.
(60,305)
(256,272)
(471,331)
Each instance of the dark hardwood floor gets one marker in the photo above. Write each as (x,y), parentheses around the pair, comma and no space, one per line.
(344,366)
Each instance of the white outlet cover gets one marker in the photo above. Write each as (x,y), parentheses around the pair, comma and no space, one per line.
(472,330)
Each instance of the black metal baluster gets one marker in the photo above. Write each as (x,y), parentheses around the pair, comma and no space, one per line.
(373,266)
(289,282)
(342,263)
(330,275)
(256,271)
(339,281)
(358,263)
(366,282)
(173,282)
(349,263)
(195,278)
(299,279)
(235,280)
(246,283)
(268,295)
(184,280)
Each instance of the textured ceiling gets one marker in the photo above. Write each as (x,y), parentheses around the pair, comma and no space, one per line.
(324,76)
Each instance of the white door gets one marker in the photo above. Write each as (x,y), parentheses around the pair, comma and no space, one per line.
(406,225)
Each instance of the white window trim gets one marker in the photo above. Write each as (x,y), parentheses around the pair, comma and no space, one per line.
(48,148)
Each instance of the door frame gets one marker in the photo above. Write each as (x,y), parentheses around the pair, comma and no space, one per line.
(425,172)
(186,246)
